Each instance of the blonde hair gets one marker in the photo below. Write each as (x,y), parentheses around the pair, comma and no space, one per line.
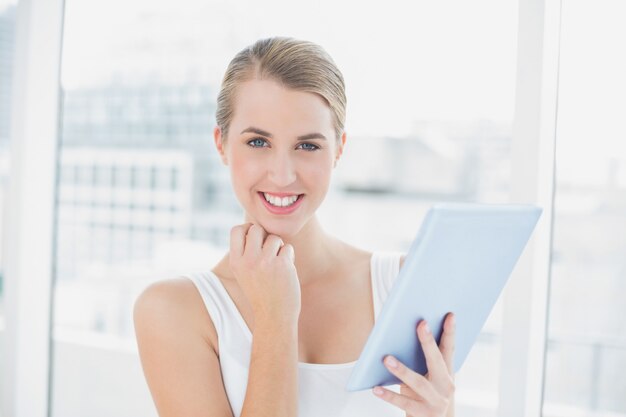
(296,64)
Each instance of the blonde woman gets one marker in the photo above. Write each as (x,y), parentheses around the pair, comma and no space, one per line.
(276,326)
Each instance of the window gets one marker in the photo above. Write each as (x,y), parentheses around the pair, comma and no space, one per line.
(436,125)
(587,339)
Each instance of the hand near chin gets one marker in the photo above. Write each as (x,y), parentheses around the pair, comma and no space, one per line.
(433,394)
(264,268)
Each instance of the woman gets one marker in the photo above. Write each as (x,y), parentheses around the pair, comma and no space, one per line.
(309,299)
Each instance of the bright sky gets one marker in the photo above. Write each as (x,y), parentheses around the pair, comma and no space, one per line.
(402,61)
(6,3)
(592,91)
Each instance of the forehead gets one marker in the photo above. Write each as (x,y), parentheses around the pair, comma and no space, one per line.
(268,105)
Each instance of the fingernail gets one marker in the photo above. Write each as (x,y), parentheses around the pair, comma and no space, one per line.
(391,362)
(426,328)
(378,391)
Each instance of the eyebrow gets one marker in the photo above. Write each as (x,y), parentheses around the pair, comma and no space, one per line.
(269,135)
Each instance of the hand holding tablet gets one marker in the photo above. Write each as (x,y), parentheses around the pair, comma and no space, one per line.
(432,394)
(459,262)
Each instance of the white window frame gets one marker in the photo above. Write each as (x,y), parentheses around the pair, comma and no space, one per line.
(29,218)
(28,237)
(525,317)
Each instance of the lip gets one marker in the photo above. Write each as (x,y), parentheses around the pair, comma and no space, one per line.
(281,210)
(281,194)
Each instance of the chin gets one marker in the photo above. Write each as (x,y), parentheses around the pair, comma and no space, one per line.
(284,229)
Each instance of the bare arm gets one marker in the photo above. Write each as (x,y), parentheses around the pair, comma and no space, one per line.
(264,268)
(182,368)
(273,374)
(174,335)
(180,365)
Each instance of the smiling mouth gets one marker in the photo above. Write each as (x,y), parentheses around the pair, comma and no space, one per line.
(280,202)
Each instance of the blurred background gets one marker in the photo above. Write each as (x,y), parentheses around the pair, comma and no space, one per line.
(141,194)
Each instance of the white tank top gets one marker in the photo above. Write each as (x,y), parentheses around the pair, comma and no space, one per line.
(321,386)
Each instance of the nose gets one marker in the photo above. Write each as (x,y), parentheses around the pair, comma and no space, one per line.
(282,169)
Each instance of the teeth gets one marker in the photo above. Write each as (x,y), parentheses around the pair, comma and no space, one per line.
(280,202)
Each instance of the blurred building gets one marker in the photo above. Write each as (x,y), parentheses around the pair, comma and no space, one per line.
(439,161)
(114,204)
(137,164)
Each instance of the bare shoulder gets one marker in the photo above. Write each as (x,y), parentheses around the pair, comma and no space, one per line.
(165,291)
(179,363)
(361,256)
(174,302)
(352,255)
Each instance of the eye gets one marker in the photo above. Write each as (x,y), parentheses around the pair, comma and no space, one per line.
(258,141)
(314,147)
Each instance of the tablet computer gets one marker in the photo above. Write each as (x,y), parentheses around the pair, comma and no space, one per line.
(459,262)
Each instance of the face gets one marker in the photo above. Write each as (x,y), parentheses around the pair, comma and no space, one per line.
(281,143)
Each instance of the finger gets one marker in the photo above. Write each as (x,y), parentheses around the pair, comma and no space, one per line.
(287,250)
(419,384)
(446,344)
(238,239)
(254,240)
(437,368)
(272,245)
(411,406)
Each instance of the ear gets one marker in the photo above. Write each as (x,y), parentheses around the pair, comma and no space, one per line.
(340,148)
(219,144)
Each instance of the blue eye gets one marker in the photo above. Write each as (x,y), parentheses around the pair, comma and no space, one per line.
(258,143)
(315,147)
(257,140)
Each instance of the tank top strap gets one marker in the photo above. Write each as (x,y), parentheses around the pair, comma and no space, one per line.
(212,296)
(385,268)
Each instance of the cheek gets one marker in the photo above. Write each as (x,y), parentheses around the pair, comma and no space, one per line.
(315,175)
(244,172)
(321,171)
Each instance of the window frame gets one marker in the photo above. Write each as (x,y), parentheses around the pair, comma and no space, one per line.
(30,207)
(525,307)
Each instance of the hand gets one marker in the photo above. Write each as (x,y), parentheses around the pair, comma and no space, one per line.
(264,268)
(433,394)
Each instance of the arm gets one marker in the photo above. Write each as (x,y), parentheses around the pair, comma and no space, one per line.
(264,268)
(273,375)
(180,365)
